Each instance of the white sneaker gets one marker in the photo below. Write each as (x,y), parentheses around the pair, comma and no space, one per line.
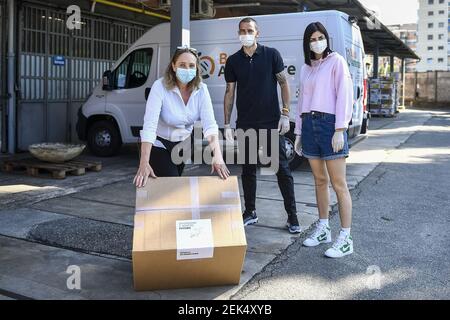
(322,234)
(342,247)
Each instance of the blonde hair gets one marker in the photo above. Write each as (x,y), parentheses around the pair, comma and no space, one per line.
(170,78)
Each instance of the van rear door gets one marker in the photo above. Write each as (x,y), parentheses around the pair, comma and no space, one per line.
(354,54)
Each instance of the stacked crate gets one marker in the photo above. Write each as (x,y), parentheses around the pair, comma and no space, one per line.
(383,97)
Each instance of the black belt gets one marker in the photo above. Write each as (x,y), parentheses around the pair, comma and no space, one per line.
(316,114)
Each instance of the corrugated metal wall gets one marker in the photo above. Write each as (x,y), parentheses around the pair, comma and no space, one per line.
(50,93)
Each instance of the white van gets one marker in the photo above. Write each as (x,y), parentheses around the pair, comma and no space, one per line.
(114,113)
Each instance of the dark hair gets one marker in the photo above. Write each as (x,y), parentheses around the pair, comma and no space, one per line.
(248,20)
(310,29)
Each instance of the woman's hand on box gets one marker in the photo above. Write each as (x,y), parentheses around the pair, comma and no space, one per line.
(144,171)
(219,166)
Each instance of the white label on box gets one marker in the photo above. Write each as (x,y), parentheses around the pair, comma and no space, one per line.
(194,239)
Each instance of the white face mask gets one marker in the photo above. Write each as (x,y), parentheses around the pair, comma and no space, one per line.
(319,46)
(247,40)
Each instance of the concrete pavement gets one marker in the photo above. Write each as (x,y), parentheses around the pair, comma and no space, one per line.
(400,233)
(48,230)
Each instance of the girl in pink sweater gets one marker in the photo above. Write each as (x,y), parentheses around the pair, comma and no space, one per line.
(324,112)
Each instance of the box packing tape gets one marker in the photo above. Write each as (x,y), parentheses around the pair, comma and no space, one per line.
(196,208)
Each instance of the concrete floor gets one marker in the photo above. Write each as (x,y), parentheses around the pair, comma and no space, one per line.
(47,225)
(400,233)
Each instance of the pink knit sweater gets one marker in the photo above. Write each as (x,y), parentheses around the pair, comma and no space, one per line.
(327,87)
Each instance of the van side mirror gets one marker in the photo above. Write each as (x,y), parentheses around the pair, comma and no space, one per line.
(353,19)
(147,92)
(107,80)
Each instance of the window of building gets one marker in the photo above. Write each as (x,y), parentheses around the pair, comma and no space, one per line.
(430,48)
(441,12)
(430,60)
(441,36)
(441,24)
(441,48)
(430,37)
(430,13)
(441,60)
(441,1)
(430,2)
(430,25)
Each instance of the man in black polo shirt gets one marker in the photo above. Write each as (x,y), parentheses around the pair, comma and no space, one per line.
(255,70)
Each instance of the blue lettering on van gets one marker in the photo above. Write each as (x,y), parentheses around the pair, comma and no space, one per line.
(208,66)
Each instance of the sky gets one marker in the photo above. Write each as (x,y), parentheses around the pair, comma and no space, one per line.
(394,11)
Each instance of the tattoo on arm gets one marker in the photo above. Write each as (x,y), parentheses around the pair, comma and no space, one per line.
(281,78)
(285,92)
(229,101)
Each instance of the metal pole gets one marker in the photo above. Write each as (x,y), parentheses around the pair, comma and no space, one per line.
(391,67)
(179,24)
(3,91)
(403,81)
(415,86)
(376,56)
(11,78)
(436,86)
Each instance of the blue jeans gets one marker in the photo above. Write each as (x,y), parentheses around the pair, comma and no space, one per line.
(317,133)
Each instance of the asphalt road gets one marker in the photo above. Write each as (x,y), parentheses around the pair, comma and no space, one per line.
(400,230)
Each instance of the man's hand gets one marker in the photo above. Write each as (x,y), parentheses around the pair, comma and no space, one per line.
(338,141)
(229,137)
(284,125)
(298,145)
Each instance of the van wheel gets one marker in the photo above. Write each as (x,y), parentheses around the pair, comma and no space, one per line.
(294,159)
(365,125)
(104,139)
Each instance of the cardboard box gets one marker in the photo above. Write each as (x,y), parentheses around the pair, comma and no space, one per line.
(188,232)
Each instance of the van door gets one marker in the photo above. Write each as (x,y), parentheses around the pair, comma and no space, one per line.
(354,56)
(126,102)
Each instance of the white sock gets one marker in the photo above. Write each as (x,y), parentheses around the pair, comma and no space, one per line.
(324,222)
(346,231)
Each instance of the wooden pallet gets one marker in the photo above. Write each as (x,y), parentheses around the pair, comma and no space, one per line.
(36,167)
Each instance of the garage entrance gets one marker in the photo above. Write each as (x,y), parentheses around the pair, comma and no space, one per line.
(58,68)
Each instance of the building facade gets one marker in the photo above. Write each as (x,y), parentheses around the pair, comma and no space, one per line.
(56,68)
(408,34)
(433,35)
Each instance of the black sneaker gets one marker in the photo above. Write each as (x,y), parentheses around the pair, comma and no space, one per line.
(292,224)
(249,217)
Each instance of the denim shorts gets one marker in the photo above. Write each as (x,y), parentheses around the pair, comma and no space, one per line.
(317,133)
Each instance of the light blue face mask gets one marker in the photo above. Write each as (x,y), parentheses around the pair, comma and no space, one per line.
(186,75)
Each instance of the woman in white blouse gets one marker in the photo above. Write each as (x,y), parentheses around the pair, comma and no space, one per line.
(175,103)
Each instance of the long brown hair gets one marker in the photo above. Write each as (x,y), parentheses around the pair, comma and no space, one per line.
(170,78)
(310,29)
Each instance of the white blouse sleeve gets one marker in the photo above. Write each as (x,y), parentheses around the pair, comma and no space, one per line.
(152,112)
